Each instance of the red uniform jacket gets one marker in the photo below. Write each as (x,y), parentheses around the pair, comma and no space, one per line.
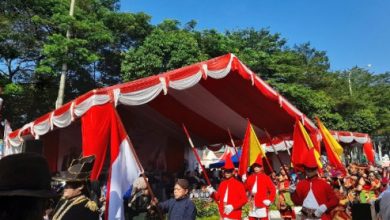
(265,188)
(322,191)
(236,197)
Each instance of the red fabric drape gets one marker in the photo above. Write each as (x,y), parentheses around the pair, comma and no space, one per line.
(369,151)
(51,150)
(95,127)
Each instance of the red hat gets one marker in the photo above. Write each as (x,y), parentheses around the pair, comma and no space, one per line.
(310,160)
(259,160)
(228,163)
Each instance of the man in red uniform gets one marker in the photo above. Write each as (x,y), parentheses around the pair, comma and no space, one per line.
(231,195)
(261,189)
(315,195)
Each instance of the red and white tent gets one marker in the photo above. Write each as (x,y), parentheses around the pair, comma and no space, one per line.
(208,97)
(350,137)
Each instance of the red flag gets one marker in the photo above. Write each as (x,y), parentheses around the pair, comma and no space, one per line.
(251,148)
(302,145)
(369,151)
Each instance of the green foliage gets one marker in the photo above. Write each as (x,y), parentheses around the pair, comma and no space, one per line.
(164,49)
(206,209)
(34,46)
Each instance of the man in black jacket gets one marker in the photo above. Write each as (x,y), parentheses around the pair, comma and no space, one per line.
(75,202)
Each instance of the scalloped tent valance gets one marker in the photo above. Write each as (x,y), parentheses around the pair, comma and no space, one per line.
(208,97)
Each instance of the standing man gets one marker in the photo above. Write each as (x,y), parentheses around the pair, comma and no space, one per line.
(180,207)
(261,190)
(230,195)
(75,202)
(315,195)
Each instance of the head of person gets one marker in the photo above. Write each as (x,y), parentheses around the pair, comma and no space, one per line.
(228,173)
(76,178)
(257,166)
(311,172)
(353,168)
(371,176)
(310,165)
(280,178)
(362,170)
(75,188)
(25,187)
(228,168)
(181,189)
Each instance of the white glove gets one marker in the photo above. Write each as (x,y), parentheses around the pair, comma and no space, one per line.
(292,188)
(320,210)
(228,209)
(266,202)
(210,189)
(243,178)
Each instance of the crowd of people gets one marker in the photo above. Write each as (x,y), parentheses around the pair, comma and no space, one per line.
(360,191)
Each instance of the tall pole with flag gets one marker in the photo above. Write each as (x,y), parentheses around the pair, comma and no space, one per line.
(302,145)
(251,148)
(232,141)
(196,155)
(333,149)
(277,155)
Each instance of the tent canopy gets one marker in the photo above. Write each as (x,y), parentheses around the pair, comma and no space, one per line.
(235,159)
(208,97)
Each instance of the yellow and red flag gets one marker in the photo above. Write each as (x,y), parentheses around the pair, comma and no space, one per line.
(251,148)
(334,151)
(302,145)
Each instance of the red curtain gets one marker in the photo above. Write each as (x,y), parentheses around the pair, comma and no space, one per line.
(95,127)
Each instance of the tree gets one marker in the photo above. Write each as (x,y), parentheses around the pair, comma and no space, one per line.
(33,47)
(166,48)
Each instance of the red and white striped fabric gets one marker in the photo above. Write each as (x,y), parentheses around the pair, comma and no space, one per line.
(208,93)
(349,137)
(101,126)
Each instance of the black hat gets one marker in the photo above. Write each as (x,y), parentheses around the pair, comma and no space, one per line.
(79,170)
(25,174)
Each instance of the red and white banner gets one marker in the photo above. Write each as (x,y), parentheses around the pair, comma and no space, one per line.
(101,126)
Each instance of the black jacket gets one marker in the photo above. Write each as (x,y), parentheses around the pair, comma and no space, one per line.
(79,207)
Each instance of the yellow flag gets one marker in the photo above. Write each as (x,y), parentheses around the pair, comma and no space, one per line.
(254,147)
(334,145)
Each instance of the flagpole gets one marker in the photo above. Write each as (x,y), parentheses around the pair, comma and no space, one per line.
(140,166)
(277,154)
(269,165)
(285,144)
(231,140)
(160,215)
(196,155)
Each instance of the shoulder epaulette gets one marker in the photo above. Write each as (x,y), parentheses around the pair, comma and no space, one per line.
(91,205)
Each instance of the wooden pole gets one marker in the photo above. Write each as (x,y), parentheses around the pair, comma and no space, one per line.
(140,167)
(277,155)
(196,155)
(231,140)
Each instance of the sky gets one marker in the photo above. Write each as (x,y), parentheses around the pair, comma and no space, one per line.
(352,32)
